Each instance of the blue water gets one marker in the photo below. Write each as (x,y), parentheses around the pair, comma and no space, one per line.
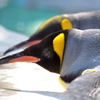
(25,16)
(24,19)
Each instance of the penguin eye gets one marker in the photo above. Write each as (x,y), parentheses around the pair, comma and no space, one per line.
(66,24)
(58,45)
(46,53)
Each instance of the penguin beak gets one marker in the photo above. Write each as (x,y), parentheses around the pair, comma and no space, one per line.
(22,45)
(19,57)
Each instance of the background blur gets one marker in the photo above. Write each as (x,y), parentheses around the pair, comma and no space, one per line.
(25,16)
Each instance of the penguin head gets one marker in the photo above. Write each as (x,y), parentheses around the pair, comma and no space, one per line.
(54,24)
(48,53)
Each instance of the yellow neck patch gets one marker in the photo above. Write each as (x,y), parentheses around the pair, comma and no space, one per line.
(63,84)
(66,24)
(58,45)
(89,70)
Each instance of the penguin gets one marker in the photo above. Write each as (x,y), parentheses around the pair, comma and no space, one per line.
(85,87)
(83,20)
(67,52)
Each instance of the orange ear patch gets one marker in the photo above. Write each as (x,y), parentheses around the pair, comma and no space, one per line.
(25,59)
(66,24)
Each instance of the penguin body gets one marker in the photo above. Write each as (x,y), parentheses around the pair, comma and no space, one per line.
(24,80)
(84,20)
(79,50)
(83,51)
(85,87)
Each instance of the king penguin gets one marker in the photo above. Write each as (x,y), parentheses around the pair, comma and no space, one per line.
(83,20)
(85,87)
(68,52)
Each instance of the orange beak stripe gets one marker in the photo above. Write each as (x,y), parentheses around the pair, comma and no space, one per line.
(25,59)
(33,42)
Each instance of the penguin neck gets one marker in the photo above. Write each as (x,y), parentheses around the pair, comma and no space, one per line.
(72,51)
